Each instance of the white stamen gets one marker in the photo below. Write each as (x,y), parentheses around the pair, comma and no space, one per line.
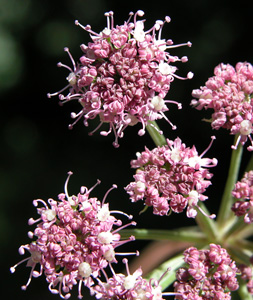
(193,198)
(140,187)
(109,255)
(105,237)
(104,213)
(71,78)
(50,214)
(245,127)
(84,270)
(158,103)
(129,282)
(165,68)
(139,33)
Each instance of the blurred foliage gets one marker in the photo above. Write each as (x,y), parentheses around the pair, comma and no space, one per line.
(37,149)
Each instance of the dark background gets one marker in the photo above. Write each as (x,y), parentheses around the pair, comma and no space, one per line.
(37,149)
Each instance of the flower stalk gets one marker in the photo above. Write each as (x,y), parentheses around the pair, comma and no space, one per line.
(168,268)
(206,224)
(227,199)
(187,234)
(155,133)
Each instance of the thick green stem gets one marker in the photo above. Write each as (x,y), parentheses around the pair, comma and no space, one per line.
(188,234)
(207,225)
(238,229)
(247,246)
(154,132)
(170,266)
(227,199)
(239,255)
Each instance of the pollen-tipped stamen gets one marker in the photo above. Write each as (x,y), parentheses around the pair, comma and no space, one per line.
(114,186)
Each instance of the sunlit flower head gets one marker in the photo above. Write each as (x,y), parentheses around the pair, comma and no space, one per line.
(74,240)
(123,76)
(229,95)
(171,178)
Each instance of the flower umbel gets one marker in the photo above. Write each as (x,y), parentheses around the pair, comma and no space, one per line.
(171,177)
(209,274)
(229,94)
(75,241)
(123,76)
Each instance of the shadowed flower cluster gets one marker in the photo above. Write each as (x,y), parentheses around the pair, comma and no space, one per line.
(229,94)
(247,274)
(123,75)
(74,241)
(209,274)
(244,191)
(171,177)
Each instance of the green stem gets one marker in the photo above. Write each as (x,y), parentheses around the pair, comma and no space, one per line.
(225,211)
(207,225)
(188,234)
(153,130)
(170,267)
(239,255)
(247,246)
(238,229)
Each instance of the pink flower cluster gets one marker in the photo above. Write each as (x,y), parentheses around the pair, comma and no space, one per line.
(130,287)
(229,94)
(171,177)
(244,191)
(123,75)
(74,241)
(209,274)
